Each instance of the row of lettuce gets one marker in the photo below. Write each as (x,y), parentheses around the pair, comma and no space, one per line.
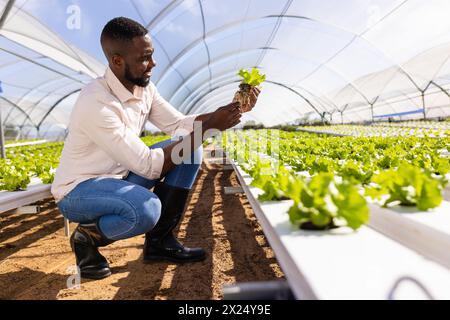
(24,163)
(376,130)
(332,179)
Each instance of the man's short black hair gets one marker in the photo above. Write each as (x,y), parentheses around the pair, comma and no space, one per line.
(123,29)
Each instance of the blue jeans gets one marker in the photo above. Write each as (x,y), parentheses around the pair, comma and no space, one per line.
(125,208)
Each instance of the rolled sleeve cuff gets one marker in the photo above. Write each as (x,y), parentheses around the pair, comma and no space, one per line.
(188,122)
(157,163)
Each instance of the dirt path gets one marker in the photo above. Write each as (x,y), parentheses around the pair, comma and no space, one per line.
(36,261)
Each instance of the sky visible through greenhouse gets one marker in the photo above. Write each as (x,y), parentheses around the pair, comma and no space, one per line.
(347,61)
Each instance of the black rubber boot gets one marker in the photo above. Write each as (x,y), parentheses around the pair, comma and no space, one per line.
(160,243)
(85,241)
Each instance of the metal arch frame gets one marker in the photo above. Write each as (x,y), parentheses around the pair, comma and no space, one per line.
(205,104)
(9,5)
(47,93)
(192,106)
(40,65)
(29,89)
(254,116)
(36,103)
(174,4)
(274,32)
(76,58)
(200,90)
(20,60)
(80,60)
(370,78)
(399,70)
(224,81)
(208,54)
(168,58)
(19,108)
(163,13)
(383,103)
(154,38)
(230,25)
(194,43)
(55,105)
(288,113)
(369,106)
(23,58)
(158,19)
(323,101)
(5,13)
(278,118)
(373,75)
(359,36)
(37,88)
(224,101)
(217,60)
(229,75)
(225,76)
(198,41)
(438,71)
(8,64)
(396,69)
(432,82)
(332,70)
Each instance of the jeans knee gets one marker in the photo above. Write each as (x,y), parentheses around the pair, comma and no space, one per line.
(150,214)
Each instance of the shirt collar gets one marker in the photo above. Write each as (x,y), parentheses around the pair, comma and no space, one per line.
(122,93)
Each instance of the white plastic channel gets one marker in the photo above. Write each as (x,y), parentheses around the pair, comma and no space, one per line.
(342,264)
(35,191)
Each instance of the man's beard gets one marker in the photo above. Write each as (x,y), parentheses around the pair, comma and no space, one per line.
(141,82)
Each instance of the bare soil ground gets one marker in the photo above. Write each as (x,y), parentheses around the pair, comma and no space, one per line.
(36,261)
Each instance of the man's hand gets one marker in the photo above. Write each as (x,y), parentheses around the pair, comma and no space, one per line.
(225,117)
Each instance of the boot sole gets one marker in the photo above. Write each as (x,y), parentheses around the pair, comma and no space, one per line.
(152,259)
(93,276)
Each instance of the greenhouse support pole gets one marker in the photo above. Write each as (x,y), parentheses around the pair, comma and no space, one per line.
(423,106)
(2,137)
(342,113)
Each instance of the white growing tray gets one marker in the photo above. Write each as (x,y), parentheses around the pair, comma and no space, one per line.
(35,191)
(342,264)
(426,232)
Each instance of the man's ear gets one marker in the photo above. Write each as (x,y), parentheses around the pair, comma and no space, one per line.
(117,61)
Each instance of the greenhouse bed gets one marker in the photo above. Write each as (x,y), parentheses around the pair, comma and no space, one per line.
(28,143)
(33,248)
(426,232)
(342,264)
(35,191)
(323,132)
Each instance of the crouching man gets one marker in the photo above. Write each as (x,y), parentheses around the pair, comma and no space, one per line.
(106,171)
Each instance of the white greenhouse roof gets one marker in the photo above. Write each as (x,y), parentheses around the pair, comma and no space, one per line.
(356,59)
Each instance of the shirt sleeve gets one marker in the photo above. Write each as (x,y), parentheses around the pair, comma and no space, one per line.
(168,119)
(105,128)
